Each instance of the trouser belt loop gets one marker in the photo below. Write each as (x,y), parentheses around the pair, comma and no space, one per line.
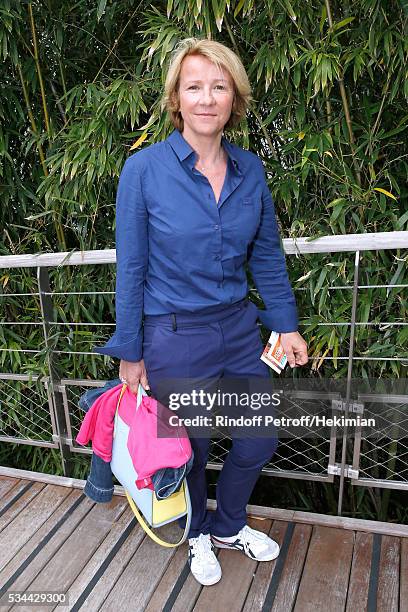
(173,316)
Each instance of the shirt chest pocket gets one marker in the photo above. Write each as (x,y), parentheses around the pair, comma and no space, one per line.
(248,217)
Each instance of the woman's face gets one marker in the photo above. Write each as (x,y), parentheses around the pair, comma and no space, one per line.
(206,96)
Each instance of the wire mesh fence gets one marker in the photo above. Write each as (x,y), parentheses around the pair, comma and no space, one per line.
(26,411)
(49,330)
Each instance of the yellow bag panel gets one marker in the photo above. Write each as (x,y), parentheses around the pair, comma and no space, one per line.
(166,509)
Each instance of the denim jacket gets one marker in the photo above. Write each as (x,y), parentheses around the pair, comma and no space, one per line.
(99,484)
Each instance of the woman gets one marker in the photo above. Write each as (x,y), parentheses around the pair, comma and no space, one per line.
(191,211)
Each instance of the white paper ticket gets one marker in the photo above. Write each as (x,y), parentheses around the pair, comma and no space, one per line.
(273,354)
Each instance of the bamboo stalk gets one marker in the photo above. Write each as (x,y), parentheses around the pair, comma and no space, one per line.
(329,114)
(58,228)
(40,79)
(32,121)
(377,120)
(61,110)
(64,87)
(345,105)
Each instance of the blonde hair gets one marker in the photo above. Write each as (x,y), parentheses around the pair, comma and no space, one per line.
(222,57)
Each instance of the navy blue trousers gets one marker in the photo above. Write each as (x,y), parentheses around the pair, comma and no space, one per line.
(214,345)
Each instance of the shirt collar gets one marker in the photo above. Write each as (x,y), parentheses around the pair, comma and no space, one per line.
(183,150)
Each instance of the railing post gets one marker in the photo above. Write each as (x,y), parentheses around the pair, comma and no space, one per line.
(349,373)
(44,290)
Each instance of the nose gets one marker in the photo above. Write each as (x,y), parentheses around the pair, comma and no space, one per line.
(207,96)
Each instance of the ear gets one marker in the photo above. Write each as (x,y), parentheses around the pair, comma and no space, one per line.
(174,99)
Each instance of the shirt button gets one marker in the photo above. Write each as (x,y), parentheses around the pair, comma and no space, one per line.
(217,257)
(216,227)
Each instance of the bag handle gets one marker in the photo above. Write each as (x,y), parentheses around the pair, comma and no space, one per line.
(131,501)
(151,533)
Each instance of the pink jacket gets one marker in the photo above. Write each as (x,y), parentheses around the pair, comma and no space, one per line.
(149,453)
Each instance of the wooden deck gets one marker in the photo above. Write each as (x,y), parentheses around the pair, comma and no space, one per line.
(53,538)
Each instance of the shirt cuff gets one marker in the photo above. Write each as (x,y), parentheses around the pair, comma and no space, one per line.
(282,322)
(122,348)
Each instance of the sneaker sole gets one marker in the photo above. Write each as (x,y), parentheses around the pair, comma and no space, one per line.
(214,581)
(270,557)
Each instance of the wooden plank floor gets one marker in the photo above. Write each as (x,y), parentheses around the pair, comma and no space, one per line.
(54,538)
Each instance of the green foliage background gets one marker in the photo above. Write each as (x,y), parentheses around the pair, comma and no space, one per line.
(81,82)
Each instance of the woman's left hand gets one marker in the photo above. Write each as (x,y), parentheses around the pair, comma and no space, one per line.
(295,348)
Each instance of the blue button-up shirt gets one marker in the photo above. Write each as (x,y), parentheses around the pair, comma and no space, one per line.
(180,251)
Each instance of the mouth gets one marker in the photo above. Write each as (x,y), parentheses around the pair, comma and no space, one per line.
(205,115)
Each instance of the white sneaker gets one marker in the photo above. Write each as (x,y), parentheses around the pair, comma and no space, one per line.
(253,543)
(204,564)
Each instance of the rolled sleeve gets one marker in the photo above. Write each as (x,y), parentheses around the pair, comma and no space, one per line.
(131,263)
(131,350)
(266,262)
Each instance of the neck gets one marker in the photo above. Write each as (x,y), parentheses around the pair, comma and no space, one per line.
(208,148)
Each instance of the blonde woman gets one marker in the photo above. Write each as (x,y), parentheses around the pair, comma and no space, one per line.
(191,211)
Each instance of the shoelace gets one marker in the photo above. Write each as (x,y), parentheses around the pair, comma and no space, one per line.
(201,546)
(247,533)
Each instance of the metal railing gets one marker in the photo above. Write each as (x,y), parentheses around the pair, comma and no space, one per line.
(42,410)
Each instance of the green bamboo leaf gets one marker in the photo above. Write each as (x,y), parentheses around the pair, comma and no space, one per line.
(402,220)
(290,10)
(101,9)
(323,17)
(320,281)
(396,276)
(218,14)
(296,75)
(397,130)
(335,351)
(341,24)
(365,309)
(338,210)
(323,298)
(38,215)
(238,8)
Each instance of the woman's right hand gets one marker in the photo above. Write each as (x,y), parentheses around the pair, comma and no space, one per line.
(134,372)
